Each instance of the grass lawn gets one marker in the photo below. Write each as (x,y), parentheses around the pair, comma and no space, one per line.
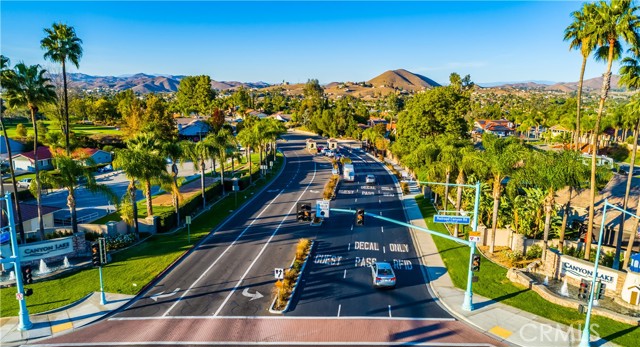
(80,129)
(493,283)
(130,270)
(20,177)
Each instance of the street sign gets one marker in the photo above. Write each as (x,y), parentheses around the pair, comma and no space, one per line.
(278,273)
(187,219)
(19,296)
(322,208)
(102,248)
(439,218)
(474,236)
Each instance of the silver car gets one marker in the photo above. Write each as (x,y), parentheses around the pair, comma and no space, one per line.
(383,275)
(370,179)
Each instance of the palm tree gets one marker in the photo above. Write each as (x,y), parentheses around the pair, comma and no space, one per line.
(469,161)
(609,24)
(27,86)
(175,152)
(62,45)
(447,160)
(198,153)
(502,157)
(247,138)
(580,39)
(5,73)
(629,77)
(69,170)
(223,143)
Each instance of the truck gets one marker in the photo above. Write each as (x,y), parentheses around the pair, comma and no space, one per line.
(348,173)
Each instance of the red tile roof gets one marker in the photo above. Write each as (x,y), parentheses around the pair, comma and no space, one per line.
(43,153)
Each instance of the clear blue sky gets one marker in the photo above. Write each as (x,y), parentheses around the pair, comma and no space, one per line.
(294,41)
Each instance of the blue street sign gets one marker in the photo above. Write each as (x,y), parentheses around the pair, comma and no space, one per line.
(451,219)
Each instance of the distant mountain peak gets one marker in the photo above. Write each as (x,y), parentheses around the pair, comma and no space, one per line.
(403,79)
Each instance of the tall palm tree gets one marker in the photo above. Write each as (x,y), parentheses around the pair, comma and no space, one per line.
(198,153)
(502,157)
(62,45)
(28,87)
(629,77)
(223,143)
(175,152)
(580,39)
(609,25)
(247,138)
(469,161)
(70,168)
(5,74)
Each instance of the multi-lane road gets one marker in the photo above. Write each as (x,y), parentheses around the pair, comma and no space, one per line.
(221,292)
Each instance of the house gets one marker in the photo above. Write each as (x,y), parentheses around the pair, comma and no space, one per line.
(192,129)
(258,114)
(99,156)
(375,121)
(15,146)
(501,127)
(282,117)
(559,130)
(26,161)
(29,213)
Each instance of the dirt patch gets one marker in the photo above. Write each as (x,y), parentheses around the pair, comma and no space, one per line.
(188,190)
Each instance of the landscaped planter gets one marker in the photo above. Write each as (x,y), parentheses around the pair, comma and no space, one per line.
(280,309)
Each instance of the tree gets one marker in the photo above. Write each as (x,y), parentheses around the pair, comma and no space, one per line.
(62,45)
(199,152)
(610,24)
(580,39)
(69,169)
(194,95)
(223,143)
(175,152)
(26,86)
(502,156)
(248,138)
(5,74)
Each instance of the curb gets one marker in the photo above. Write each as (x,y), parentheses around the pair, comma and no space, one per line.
(295,286)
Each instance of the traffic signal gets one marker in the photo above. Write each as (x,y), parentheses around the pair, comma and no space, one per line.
(475,263)
(28,292)
(300,212)
(583,291)
(306,212)
(27,276)
(360,216)
(102,250)
(600,287)
(95,254)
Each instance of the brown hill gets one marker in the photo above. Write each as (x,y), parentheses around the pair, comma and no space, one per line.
(592,84)
(403,79)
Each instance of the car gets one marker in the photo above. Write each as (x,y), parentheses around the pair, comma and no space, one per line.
(25,183)
(107,168)
(383,275)
(329,153)
(370,179)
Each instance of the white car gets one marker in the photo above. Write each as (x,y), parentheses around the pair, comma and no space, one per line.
(370,179)
(25,183)
(329,153)
(383,275)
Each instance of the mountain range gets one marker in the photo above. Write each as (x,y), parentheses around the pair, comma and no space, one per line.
(382,84)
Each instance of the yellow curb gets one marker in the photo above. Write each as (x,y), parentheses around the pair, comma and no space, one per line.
(500,331)
(61,327)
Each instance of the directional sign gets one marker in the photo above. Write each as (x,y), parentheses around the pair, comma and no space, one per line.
(278,273)
(451,219)
(187,219)
(474,236)
(322,208)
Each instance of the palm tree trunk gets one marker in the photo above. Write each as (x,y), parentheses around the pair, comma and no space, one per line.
(222,175)
(19,226)
(38,190)
(71,203)
(494,218)
(606,81)
(204,201)
(147,194)
(249,160)
(548,208)
(460,180)
(632,238)
(616,260)
(134,206)
(579,100)
(66,110)
(260,160)
(565,217)
(446,190)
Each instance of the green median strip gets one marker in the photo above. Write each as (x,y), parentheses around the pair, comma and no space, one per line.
(494,284)
(130,269)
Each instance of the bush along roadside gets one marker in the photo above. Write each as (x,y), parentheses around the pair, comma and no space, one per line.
(330,188)
(285,288)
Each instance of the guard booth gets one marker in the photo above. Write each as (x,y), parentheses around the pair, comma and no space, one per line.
(332,144)
(311,145)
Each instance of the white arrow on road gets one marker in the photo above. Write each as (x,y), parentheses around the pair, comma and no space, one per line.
(273,190)
(313,191)
(257,295)
(155,297)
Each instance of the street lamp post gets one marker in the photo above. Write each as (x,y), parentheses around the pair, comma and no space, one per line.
(586,333)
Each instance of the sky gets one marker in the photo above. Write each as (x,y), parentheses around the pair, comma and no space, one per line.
(500,41)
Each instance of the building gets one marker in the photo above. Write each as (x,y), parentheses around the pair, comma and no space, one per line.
(559,130)
(98,156)
(286,118)
(16,147)
(29,213)
(375,121)
(192,129)
(500,128)
(26,161)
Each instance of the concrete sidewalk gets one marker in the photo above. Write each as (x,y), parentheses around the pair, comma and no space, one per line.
(61,320)
(504,322)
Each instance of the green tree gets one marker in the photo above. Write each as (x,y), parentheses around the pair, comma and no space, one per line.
(249,139)
(610,24)
(175,152)
(21,130)
(580,38)
(69,169)
(198,153)
(223,143)
(194,95)
(27,87)
(62,45)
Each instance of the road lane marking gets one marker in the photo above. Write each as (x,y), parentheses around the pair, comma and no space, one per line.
(279,317)
(351,227)
(389,311)
(204,273)
(345,273)
(349,247)
(266,243)
(382,229)
(339,307)
(384,249)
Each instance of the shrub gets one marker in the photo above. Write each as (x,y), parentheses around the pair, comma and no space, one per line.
(329,187)
(59,234)
(284,288)
(534,252)
(405,187)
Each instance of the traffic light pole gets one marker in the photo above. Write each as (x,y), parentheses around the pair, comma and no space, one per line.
(586,332)
(24,323)
(103,298)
